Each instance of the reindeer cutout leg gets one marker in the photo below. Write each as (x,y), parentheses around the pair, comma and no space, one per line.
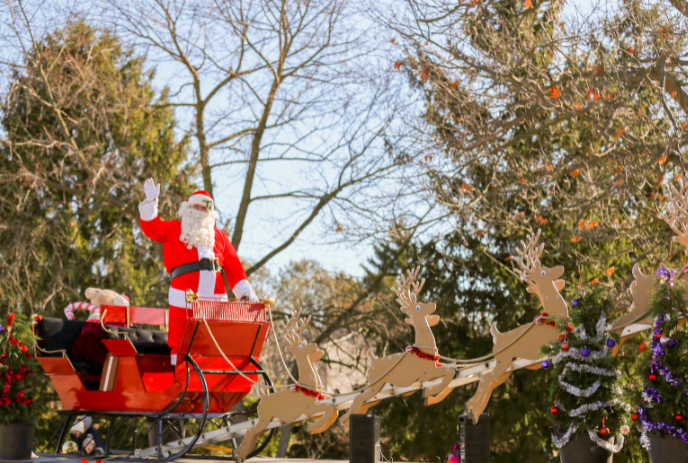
(365,407)
(436,391)
(250,439)
(359,403)
(477,404)
(329,417)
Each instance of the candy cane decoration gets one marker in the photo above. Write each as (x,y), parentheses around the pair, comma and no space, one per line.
(69,310)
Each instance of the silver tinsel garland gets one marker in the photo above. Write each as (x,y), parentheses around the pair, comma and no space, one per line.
(614,448)
(588,369)
(597,405)
(576,355)
(601,329)
(559,442)
(578,392)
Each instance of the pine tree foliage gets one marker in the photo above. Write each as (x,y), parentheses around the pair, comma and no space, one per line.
(586,387)
(83,127)
(664,407)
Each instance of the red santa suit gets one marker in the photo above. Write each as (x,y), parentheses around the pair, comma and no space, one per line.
(206,283)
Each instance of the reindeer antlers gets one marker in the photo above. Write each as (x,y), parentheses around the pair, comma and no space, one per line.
(407,287)
(677,208)
(528,255)
(294,328)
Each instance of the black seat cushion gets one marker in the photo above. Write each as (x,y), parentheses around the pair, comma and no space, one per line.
(145,341)
(57,334)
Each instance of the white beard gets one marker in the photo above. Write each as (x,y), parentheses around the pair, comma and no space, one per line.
(198,227)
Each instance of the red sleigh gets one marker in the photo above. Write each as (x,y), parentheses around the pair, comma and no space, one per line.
(138,380)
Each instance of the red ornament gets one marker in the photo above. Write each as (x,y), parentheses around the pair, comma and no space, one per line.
(635,416)
(544,314)
(659,336)
(539,320)
(561,338)
(652,377)
(568,327)
(554,410)
(604,431)
(643,346)
(679,417)
(565,346)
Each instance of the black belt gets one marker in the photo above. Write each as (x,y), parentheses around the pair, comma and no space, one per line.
(203,264)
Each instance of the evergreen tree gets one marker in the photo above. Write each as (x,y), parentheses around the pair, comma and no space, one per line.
(665,369)
(83,128)
(586,388)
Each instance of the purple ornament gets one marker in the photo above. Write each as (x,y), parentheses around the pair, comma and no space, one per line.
(546,364)
(1,329)
(585,352)
(575,302)
(611,343)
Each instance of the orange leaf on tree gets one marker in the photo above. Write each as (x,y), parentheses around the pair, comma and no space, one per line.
(662,160)
(529,3)
(339,229)
(397,65)
(595,281)
(467,187)
(554,92)
(575,173)
(610,271)
(549,167)
(576,239)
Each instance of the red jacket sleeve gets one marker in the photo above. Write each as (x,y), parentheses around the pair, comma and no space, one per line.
(157,230)
(232,265)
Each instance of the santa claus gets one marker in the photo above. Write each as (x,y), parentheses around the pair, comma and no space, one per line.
(199,256)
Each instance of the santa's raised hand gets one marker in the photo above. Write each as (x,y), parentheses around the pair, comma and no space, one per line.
(151,190)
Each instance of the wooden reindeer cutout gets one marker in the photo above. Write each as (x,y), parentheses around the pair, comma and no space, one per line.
(641,289)
(287,405)
(418,363)
(525,341)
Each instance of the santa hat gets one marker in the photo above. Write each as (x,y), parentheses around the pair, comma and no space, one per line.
(202,198)
(83,423)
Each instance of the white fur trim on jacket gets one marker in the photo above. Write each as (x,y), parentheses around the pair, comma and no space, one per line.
(69,310)
(243,288)
(148,210)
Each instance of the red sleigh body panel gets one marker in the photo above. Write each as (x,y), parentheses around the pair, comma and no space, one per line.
(132,382)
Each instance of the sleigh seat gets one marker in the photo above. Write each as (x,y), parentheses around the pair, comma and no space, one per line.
(58,336)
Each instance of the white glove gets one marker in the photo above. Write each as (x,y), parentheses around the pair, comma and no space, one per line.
(243,288)
(151,190)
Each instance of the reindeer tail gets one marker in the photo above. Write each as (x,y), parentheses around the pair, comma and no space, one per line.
(262,391)
(495,332)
